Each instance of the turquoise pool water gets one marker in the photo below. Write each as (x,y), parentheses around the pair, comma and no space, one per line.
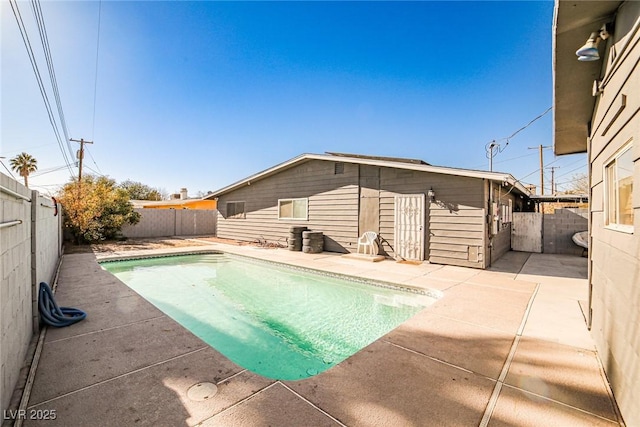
(280,322)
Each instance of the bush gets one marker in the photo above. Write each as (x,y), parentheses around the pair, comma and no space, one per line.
(96,209)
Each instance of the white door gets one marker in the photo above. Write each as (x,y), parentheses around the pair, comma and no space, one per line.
(409,226)
(526,232)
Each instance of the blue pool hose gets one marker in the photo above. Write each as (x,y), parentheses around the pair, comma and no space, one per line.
(53,315)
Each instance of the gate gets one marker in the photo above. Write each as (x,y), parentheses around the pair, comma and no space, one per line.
(409,226)
(526,232)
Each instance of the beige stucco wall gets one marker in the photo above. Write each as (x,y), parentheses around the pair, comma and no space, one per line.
(615,255)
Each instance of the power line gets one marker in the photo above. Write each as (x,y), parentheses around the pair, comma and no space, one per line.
(564,174)
(506,160)
(528,124)
(25,149)
(572,170)
(93,160)
(46,185)
(95,171)
(5,166)
(48,170)
(42,189)
(569,181)
(95,83)
(528,175)
(493,148)
(44,39)
(34,67)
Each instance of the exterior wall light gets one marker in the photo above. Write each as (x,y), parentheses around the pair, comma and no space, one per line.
(589,52)
(431,194)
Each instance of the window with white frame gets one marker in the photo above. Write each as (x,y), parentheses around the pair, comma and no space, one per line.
(618,176)
(235,210)
(293,209)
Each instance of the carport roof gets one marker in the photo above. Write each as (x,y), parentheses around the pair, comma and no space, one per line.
(570,198)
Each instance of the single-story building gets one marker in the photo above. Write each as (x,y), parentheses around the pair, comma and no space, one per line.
(177,201)
(597,111)
(175,204)
(419,211)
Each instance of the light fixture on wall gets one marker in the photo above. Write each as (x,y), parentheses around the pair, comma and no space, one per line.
(431,194)
(589,52)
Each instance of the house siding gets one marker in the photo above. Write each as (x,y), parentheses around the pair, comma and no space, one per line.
(332,209)
(343,206)
(615,255)
(457,223)
(500,243)
(454,220)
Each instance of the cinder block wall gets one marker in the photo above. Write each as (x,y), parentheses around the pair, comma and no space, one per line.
(559,227)
(172,222)
(29,253)
(15,293)
(46,244)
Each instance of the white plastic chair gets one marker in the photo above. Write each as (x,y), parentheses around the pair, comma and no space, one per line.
(368,243)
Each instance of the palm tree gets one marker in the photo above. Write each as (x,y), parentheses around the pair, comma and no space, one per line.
(24,164)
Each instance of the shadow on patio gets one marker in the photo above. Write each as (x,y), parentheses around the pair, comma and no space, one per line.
(129,364)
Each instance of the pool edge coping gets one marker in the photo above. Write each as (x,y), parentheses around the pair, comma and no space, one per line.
(429,292)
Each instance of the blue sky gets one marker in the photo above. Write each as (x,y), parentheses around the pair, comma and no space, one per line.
(201,94)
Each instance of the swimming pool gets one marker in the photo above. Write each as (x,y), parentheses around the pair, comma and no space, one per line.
(278,321)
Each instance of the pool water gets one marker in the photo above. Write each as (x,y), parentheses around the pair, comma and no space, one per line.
(277,321)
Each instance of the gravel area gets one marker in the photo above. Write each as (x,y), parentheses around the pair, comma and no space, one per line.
(110,246)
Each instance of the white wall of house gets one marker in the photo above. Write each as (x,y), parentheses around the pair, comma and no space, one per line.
(615,253)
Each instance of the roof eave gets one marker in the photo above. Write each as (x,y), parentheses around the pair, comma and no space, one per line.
(573,80)
(493,176)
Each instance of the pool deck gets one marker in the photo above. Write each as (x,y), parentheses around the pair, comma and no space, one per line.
(503,347)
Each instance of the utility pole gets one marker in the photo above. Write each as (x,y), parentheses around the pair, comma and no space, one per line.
(541,147)
(80,155)
(553,185)
(491,147)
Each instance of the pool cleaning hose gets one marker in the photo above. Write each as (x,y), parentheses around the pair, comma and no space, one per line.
(53,315)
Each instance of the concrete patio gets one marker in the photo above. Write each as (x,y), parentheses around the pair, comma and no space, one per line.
(502,347)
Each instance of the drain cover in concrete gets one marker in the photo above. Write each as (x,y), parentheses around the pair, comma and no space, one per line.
(202,391)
